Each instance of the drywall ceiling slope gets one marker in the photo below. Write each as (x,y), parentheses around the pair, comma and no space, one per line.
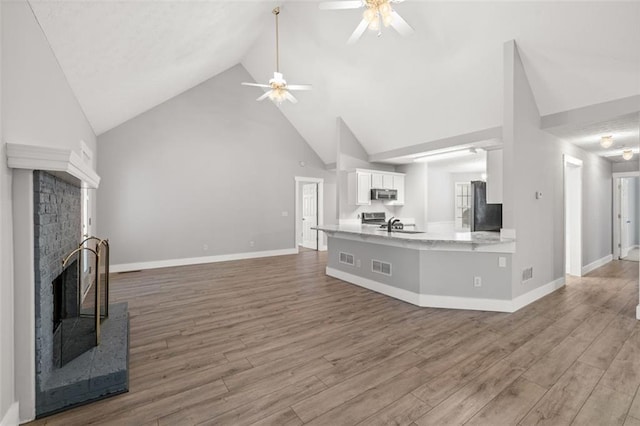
(446,79)
(122,58)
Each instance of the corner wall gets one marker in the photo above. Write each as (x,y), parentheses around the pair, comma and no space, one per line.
(38,108)
(204,174)
(533,161)
(352,155)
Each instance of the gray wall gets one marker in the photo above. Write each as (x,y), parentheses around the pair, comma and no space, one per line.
(351,155)
(210,166)
(534,162)
(627,166)
(39,108)
(7,395)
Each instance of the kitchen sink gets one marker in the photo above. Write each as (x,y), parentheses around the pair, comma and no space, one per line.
(402,231)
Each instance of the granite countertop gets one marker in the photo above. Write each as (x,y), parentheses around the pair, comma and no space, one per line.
(463,238)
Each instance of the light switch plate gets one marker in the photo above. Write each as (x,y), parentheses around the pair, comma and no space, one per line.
(502,262)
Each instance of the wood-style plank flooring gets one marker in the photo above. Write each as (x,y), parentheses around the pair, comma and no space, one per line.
(275,341)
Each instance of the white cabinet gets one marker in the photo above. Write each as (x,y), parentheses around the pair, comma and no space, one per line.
(382,181)
(398,185)
(361,181)
(359,188)
(494,176)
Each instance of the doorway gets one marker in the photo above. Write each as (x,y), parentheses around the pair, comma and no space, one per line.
(309,208)
(626,211)
(573,215)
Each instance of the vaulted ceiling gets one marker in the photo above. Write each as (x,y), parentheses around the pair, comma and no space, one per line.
(122,58)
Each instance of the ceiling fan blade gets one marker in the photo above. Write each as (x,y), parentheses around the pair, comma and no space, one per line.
(360,29)
(338,5)
(400,25)
(299,87)
(256,85)
(290,97)
(263,97)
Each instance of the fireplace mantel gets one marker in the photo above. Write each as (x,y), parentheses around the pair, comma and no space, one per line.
(64,163)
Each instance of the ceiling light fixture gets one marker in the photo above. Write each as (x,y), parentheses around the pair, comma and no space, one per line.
(280,90)
(627,154)
(606,141)
(376,14)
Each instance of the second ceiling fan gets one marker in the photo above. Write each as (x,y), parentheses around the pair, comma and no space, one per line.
(377,13)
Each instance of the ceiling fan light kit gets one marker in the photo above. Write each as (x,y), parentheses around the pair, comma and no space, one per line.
(377,13)
(279,89)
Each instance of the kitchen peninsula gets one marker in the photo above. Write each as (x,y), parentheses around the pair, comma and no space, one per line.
(466,270)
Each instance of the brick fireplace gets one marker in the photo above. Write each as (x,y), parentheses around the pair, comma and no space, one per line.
(47,227)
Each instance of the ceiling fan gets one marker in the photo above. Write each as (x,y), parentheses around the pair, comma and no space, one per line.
(280,90)
(377,13)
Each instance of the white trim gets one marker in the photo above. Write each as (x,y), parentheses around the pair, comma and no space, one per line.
(572,265)
(388,290)
(596,264)
(448,302)
(638,312)
(124,267)
(24,293)
(537,293)
(625,174)
(11,417)
(323,247)
(65,161)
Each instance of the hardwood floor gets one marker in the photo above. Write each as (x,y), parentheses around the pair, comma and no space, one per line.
(275,341)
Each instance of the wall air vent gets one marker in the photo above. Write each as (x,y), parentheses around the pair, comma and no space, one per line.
(527,274)
(346,258)
(380,267)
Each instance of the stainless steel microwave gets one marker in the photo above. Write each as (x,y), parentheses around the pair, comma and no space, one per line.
(384,194)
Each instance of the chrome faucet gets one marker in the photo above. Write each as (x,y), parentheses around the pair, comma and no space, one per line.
(391,222)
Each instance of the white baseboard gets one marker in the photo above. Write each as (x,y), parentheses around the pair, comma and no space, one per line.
(448,302)
(11,417)
(638,312)
(323,247)
(596,264)
(537,293)
(199,260)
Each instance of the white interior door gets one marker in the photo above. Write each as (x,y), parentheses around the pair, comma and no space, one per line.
(309,215)
(625,220)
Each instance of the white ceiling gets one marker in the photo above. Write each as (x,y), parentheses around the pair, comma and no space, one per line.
(625,131)
(122,58)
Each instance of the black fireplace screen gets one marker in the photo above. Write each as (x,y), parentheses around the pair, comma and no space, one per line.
(74,330)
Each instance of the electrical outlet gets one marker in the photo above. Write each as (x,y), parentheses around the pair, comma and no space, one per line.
(252,243)
(502,262)
(477,281)
(358,263)
(285,214)
(205,247)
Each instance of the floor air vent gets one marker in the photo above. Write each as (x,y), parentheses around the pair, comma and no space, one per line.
(346,258)
(527,274)
(381,267)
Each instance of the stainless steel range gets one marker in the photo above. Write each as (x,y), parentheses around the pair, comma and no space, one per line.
(379,219)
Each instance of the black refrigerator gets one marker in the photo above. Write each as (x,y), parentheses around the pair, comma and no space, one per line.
(484,217)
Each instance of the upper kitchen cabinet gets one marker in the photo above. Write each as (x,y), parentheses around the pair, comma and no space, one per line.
(382,180)
(361,181)
(494,176)
(360,188)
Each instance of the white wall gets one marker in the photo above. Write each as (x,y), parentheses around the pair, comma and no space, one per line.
(39,108)
(209,167)
(416,193)
(534,162)
(627,166)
